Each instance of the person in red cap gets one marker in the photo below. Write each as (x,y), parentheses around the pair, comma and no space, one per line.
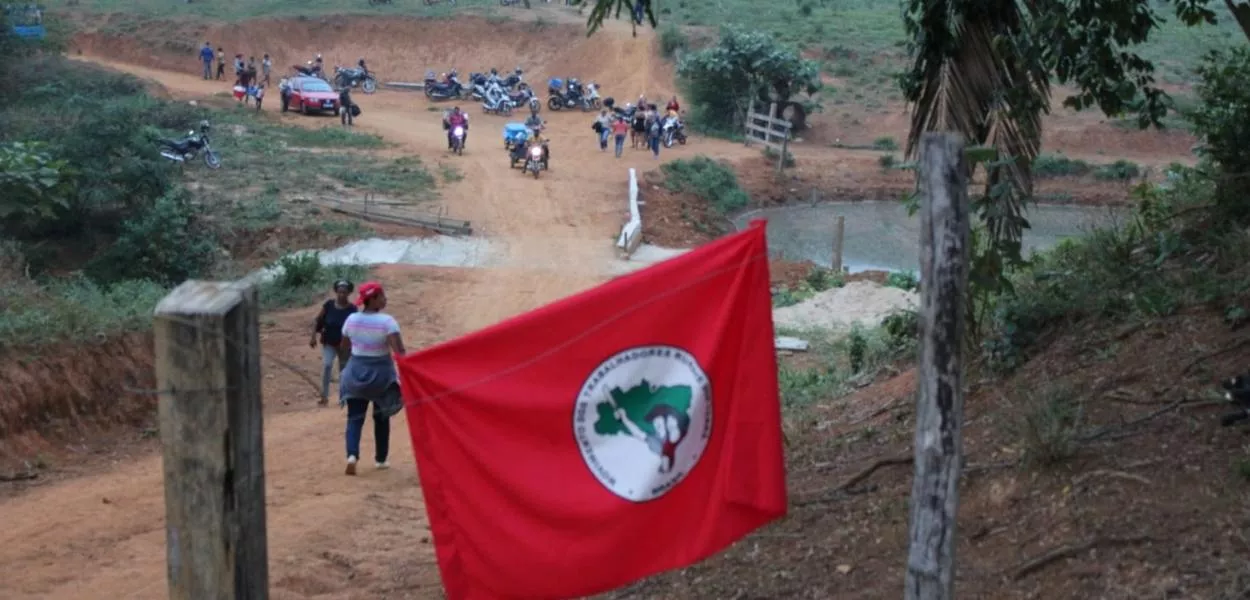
(370,377)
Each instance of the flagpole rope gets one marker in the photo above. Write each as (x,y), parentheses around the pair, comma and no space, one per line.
(594,328)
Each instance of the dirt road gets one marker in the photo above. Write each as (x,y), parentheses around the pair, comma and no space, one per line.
(331,536)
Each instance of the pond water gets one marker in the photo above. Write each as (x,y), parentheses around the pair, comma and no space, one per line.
(881,235)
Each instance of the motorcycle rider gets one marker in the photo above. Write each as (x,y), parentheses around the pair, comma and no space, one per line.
(673,107)
(363,69)
(454,119)
(534,123)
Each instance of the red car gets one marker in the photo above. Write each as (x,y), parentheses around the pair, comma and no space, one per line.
(309,95)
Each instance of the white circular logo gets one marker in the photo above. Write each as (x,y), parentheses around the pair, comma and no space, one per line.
(643,419)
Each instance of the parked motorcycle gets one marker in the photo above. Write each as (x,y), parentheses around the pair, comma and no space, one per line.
(309,70)
(457,140)
(497,101)
(355,77)
(589,99)
(187,148)
(437,90)
(673,130)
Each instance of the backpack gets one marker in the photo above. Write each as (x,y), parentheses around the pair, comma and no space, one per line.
(355,110)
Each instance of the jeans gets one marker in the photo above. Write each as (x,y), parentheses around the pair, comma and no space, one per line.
(603,138)
(328,354)
(208,69)
(620,144)
(345,113)
(654,142)
(356,409)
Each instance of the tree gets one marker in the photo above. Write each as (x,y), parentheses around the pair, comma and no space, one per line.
(741,67)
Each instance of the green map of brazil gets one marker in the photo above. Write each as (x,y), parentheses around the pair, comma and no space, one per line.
(636,403)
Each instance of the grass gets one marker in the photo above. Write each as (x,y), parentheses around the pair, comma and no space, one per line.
(301,279)
(1057,165)
(840,360)
(818,280)
(74,310)
(271,160)
(242,10)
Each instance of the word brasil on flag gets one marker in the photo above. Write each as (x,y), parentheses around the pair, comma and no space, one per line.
(646,436)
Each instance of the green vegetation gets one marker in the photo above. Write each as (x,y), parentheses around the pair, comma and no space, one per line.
(710,180)
(722,80)
(1057,165)
(95,226)
(242,10)
(301,279)
(818,280)
(1050,425)
(844,359)
(672,41)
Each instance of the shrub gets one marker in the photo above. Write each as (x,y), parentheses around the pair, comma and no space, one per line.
(301,277)
(168,243)
(903,280)
(722,80)
(708,179)
(1058,165)
(1049,426)
(77,309)
(1120,170)
(885,143)
(1222,121)
(672,41)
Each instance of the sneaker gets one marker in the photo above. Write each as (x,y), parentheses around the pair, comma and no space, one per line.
(383,465)
(351,465)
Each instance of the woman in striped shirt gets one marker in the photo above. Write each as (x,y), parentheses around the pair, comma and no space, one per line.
(370,377)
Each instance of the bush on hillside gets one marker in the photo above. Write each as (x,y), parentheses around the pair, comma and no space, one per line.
(167,243)
(722,80)
(710,180)
(1222,120)
(672,41)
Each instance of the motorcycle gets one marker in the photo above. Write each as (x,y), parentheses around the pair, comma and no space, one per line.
(457,140)
(588,101)
(355,78)
(309,70)
(673,129)
(533,162)
(187,148)
(497,101)
(526,96)
(437,90)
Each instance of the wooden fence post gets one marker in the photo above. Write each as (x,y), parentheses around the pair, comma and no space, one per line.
(208,374)
(746,139)
(839,231)
(944,230)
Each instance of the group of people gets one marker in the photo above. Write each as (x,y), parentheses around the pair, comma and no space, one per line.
(250,78)
(647,124)
(364,341)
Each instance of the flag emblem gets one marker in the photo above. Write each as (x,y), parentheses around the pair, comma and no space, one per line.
(643,419)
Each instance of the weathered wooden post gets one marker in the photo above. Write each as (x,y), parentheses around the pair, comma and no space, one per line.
(208,374)
(939,404)
(839,232)
(746,138)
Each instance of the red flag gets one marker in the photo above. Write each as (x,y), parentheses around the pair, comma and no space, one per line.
(625,431)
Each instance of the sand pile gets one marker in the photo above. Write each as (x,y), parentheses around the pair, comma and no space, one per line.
(862,302)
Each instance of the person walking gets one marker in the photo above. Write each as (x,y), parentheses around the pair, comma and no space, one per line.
(328,329)
(603,127)
(370,377)
(653,134)
(221,63)
(266,65)
(206,57)
(345,105)
(620,129)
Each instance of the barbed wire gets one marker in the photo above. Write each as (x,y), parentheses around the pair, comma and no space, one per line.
(563,345)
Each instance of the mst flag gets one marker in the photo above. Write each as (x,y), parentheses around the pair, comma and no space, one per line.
(628,430)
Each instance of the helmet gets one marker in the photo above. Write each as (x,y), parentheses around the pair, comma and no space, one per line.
(204,126)
(573,81)
(318,56)
(360,62)
(518,70)
(455,109)
(494,71)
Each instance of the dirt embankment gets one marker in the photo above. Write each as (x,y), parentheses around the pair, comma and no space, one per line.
(398,49)
(55,399)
